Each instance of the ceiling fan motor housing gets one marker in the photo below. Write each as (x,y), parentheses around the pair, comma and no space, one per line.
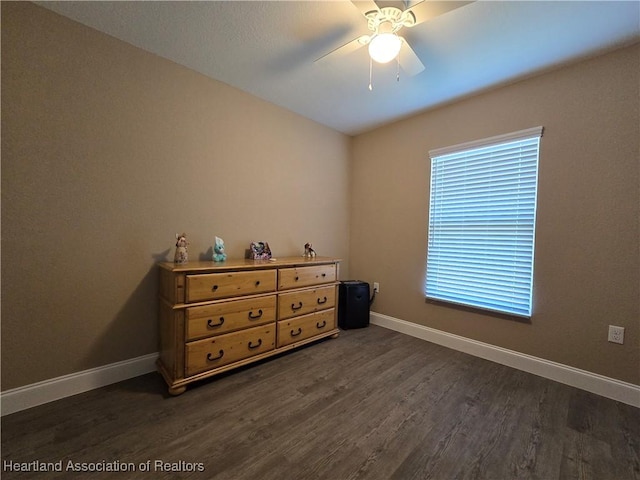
(389,20)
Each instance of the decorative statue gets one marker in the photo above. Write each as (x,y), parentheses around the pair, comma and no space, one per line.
(181,255)
(309,252)
(218,251)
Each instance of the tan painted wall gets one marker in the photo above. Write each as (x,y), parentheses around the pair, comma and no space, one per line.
(587,266)
(107,153)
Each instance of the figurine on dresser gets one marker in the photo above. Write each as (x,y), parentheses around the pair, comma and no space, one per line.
(218,250)
(309,252)
(181,255)
(260,251)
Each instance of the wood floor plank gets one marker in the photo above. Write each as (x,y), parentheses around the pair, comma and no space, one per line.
(371,405)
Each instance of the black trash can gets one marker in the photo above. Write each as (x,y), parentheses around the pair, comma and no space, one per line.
(353,304)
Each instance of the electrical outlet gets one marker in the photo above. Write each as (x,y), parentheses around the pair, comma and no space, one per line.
(616,334)
(376,287)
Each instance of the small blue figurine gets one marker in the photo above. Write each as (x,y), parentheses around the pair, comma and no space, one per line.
(218,251)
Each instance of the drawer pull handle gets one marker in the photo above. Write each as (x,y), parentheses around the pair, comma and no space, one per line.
(294,308)
(253,317)
(295,334)
(210,323)
(324,275)
(214,288)
(252,346)
(324,300)
(212,358)
(297,278)
(257,283)
(321,325)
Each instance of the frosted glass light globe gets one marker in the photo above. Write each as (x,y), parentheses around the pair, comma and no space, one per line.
(385,47)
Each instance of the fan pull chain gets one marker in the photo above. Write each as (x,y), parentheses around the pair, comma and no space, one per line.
(370,74)
(398,72)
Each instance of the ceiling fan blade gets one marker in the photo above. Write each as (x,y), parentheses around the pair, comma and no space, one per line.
(409,61)
(348,47)
(427,9)
(365,6)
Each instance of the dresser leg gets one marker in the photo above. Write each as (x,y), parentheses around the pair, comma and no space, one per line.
(175,391)
(335,335)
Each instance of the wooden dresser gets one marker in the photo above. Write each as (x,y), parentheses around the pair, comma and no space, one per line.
(218,316)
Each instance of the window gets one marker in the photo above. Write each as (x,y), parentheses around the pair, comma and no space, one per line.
(482,216)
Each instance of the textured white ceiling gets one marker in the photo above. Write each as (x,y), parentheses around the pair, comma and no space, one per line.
(268,48)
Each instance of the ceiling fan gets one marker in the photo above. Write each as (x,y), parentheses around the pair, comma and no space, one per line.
(385,21)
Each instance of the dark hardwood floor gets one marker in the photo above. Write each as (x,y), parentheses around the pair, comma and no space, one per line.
(372,404)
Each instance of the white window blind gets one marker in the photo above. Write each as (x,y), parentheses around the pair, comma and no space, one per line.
(482,222)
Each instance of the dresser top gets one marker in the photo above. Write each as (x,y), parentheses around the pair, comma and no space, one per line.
(246,264)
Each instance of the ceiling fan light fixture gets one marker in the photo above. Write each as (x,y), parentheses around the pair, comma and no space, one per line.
(385,47)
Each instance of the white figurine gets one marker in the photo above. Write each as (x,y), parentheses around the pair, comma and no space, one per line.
(181,255)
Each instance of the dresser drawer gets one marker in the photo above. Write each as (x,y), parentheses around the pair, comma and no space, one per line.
(220,350)
(212,286)
(305,276)
(306,326)
(224,317)
(300,302)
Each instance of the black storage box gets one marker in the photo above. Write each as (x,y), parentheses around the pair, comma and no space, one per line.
(353,304)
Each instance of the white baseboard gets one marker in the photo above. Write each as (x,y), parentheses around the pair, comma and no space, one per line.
(592,382)
(21,398)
